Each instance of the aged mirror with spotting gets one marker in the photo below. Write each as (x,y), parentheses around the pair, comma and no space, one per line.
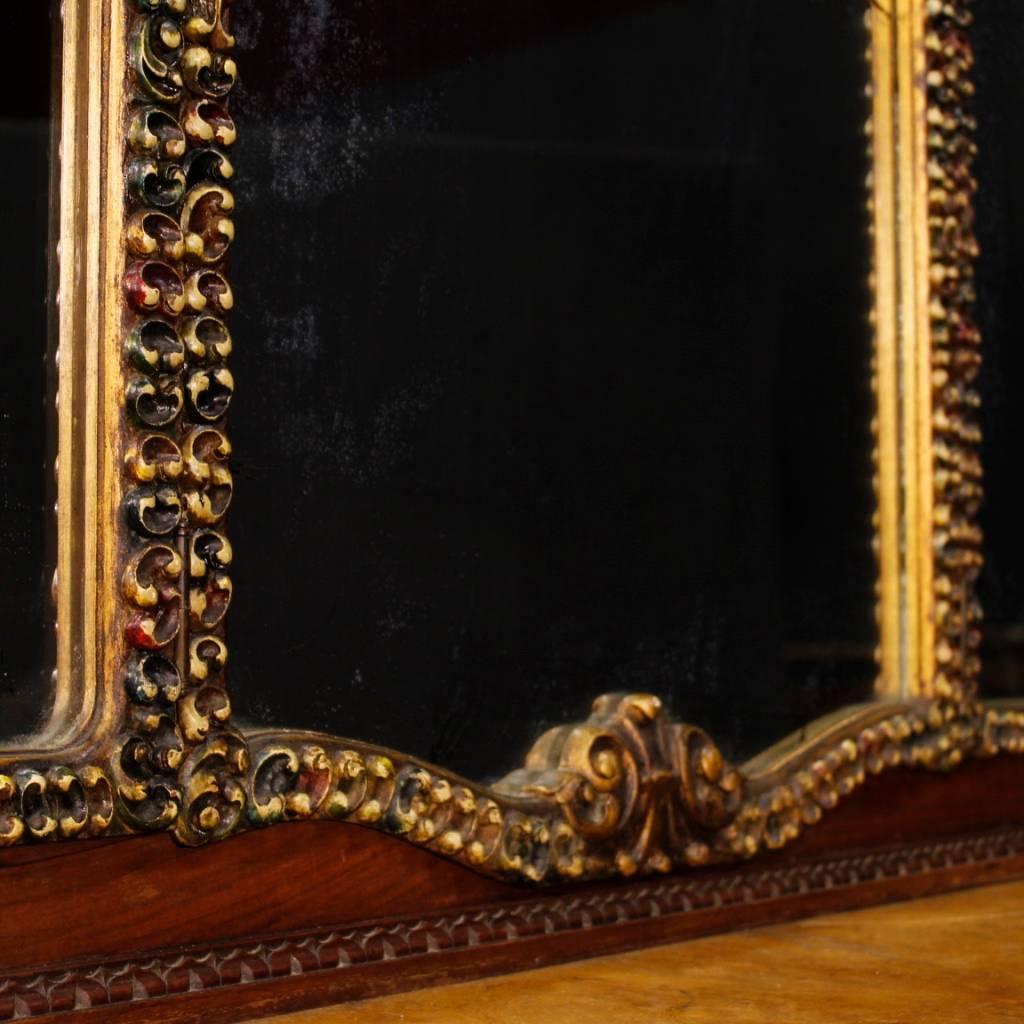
(558,319)
(27,386)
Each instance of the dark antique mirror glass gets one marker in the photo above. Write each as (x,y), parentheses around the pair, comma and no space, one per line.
(552,327)
(26,402)
(998,39)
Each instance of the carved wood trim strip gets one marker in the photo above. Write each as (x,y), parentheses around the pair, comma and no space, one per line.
(954,348)
(148,981)
(626,792)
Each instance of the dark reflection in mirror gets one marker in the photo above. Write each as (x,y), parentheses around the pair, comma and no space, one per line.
(998,36)
(553,357)
(26,493)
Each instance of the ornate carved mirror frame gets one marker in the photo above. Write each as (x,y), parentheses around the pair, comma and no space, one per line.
(141,737)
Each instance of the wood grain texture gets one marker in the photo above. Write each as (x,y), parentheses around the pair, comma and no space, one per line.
(317,913)
(953,958)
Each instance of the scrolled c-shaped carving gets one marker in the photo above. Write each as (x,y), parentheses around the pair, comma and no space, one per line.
(207,291)
(207,123)
(211,165)
(155,403)
(152,584)
(1003,730)
(172,7)
(154,347)
(206,223)
(213,790)
(151,233)
(210,391)
(12,825)
(145,772)
(156,133)
(207,72)
(363,786)
(206,453)
(200,710)
(568,851)
(639,793)
(152,679)
(205,23)
(35,808)
(207,656)
(422,805)
(154,286)
(711,789)
(285,784)
(210,593)
(99,798)
(207,339)
(154,509)
(156,54)
(60,803)
(473,827)
(525,847)
(603,786)
(153,457)
(155,182)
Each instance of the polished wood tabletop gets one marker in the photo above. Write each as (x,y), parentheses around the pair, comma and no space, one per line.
(955,959)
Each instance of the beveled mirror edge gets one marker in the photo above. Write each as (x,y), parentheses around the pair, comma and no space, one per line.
(627,791)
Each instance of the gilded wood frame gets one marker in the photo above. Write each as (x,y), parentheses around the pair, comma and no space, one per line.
(141,737)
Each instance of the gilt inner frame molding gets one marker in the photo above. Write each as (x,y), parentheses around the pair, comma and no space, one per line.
(140,737)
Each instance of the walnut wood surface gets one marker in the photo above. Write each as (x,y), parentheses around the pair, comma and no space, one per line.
(142,930)
(953,958)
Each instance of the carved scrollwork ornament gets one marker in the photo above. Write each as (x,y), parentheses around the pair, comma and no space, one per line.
(177,764)
(156,55)
(208,495)
(156,183)
(207,72)
(205,23)
(151,233)
(212,778)
(152,587)
(207,339)
(153,286)
(154,457)
(207,123)
(154,347)
(208,165)
(155,403)
(156,133)
(206,223)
